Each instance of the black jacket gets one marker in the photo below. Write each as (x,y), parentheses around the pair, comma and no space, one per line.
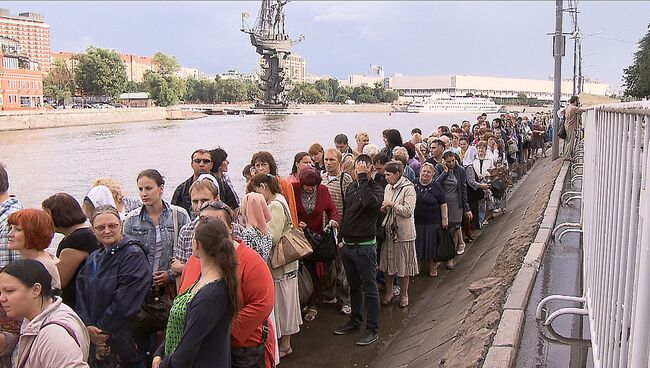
(361,207)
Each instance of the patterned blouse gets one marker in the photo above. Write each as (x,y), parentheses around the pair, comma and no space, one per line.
(259,242)
(176,321)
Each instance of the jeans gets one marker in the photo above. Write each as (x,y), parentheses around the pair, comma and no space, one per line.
(360,263)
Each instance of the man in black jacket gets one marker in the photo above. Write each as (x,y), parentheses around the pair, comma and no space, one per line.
(361,208)
(202,164)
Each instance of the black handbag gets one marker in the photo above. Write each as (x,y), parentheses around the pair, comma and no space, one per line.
(250,356)
(474,195)
(497,188)
(152,316)
(324,245)
(561,130)
(445,248)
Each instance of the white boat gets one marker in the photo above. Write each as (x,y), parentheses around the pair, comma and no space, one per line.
(446,103)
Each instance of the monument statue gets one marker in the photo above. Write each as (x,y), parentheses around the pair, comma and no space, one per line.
(271,41)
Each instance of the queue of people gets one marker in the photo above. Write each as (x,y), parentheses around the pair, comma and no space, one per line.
(195,282)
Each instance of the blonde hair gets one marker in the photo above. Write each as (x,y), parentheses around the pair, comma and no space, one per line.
(361,134)
(112,185)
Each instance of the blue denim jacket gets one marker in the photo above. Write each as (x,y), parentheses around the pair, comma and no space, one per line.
(139,226)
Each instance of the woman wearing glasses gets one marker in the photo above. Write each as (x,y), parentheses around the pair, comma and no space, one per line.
(111,287)
(287,302)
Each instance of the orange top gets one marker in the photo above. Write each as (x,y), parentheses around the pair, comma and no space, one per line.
(287,192)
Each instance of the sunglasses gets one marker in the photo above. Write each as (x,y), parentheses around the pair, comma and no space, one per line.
(217,205)
(111,227)
(199,160)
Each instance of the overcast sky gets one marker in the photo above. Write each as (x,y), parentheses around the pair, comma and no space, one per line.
(418,38)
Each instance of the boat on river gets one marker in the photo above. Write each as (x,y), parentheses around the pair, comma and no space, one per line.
(445,103)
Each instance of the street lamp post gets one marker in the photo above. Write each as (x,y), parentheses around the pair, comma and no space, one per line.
(558,51)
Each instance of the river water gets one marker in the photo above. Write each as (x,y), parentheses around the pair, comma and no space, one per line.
(43,162)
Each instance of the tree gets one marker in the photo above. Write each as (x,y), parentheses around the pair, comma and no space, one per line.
(165,64)
(637,76)
(133,86)
(367,98)
(59,83)
(165,90)
(100,72)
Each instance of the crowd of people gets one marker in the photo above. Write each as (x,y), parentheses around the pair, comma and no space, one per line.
(195,282)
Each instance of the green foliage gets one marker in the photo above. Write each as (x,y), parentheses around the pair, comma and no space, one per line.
(165,64)
(329,90)
(133,86)
(59,83)
(166,90)
(100,72)
(637,77)
(221,90)
(163,85)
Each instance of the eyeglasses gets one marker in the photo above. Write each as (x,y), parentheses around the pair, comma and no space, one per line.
(204,160)
(111,227)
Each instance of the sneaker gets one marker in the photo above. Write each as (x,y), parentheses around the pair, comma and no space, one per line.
(368,338)
(461,249)
(330,301)
(396,290)
(347,329)
(346,309)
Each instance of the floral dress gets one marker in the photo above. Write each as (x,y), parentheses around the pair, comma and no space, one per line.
(259,242)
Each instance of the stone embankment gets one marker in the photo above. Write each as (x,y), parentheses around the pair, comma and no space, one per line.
(23,120)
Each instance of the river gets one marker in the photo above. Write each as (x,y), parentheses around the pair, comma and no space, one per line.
(43,162)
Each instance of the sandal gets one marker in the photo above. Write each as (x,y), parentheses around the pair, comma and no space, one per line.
(284,353)
(310,315)
(433,272)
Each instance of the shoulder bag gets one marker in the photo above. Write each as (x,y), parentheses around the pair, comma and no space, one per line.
(324,245)
(292,245)
(561,129)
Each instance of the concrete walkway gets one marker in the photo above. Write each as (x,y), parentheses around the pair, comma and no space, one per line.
(418,336)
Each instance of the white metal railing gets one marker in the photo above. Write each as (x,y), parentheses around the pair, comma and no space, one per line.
(616,235)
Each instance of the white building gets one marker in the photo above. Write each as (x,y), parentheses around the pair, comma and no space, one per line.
(375,75)
(492,87)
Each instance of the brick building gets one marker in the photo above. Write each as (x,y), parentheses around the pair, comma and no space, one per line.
(134,65)
(31,32)
(21,82)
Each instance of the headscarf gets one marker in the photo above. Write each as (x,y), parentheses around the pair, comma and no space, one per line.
(470,155)
(256,212)
(101,195)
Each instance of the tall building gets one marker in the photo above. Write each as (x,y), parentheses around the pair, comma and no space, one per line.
(295,68)
(136,66)
(31,32)
(21,82)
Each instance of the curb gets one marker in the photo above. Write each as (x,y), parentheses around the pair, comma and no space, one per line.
(503,351)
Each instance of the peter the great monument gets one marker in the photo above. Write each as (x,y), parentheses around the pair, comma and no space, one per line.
(273,43)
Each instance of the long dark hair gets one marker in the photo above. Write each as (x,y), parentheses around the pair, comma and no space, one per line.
(297,158)
(215,240)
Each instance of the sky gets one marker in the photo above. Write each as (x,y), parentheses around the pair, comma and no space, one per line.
(491,38)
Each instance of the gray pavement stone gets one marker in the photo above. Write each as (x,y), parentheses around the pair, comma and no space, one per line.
(509,330)
(535,254)
(500,357)
(543,236)
(520,289)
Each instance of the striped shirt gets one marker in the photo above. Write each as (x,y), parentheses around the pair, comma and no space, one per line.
(7,207)
(334,186)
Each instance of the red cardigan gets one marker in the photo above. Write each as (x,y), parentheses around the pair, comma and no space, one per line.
(324,204)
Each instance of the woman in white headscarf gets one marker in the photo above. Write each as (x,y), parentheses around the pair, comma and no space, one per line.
(97,196)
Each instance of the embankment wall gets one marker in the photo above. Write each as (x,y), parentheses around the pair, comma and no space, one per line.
(21,120)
